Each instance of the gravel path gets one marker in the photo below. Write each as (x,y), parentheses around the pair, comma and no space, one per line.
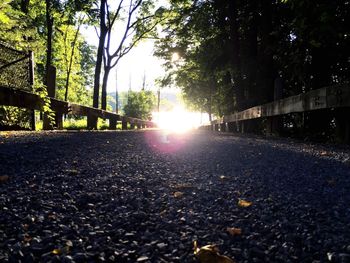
(145,197)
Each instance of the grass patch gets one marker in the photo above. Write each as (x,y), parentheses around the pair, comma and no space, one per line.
(73,124)
(80,124)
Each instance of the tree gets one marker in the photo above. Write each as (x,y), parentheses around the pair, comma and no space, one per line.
(24,27)
(134,17)
(140,104)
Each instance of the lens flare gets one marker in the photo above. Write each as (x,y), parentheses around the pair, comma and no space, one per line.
(164,141)
(178,120)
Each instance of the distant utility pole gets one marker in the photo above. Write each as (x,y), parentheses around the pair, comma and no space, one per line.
(130,81)
(129,88)
(144,80)
(158,102)
(116,92)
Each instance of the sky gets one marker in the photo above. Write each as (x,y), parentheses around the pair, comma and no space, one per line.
(139,62)
(132,68)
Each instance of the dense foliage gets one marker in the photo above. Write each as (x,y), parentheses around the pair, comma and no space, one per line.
(140,104)
(52,29)
(24,25)
(230,52)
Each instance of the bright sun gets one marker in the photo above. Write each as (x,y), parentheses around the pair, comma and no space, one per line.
(178,120)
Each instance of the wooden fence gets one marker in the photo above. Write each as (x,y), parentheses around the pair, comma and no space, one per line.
(23,99)
(334,97)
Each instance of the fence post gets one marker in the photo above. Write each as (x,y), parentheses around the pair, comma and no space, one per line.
(342,119)
(222,127)
(31,83)
(51,90)
(124,123)
(112,123)
(92,121)
(231,127)
(274,124)
(59,120)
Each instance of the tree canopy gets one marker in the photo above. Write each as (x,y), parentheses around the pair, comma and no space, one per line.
(140,104)
(231,52)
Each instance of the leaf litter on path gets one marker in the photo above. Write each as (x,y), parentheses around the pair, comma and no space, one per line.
(210,254)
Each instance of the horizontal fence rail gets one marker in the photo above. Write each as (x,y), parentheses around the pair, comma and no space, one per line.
(23,99)
(335,97)
(323,98)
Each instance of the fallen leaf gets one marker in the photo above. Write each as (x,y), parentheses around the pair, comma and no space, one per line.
(234,231)
(52,216)
(248,172)
(4,178)
(142,258)
(346,161)
(69,243)
(5,134)
(56,251)
(162,213)
(27,239)
(323,153)
(178,194)
(244,203)
(210,254)
(72,171)
(223,177)
(331,182)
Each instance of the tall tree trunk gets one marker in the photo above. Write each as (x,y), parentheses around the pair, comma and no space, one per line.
(24,6)
(49,27)
(235,59)
(267,70)
(69,69)
(253,91)
(107,69)
(100,49)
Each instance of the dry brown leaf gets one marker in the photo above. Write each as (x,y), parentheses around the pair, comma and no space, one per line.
(244,203)
(52,216)
(323,153)
(4,178)
(210,254)
(72,171)
(178,194)
(234,231)
(27,238)
(331,182)
(5,134)
(56,251)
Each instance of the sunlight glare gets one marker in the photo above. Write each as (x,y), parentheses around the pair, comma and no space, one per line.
(175,57)
(178,120)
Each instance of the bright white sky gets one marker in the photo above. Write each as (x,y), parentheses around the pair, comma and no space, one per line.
(133,66)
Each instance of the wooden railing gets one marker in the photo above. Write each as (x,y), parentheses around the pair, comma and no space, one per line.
(23,99)
(333,97)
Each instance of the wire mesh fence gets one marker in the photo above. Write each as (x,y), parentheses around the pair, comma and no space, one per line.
(15,68)
(16,71)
